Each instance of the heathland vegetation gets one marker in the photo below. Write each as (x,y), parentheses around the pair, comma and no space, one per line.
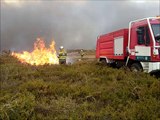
(81,91)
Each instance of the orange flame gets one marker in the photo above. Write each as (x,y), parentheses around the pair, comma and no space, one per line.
(40,55)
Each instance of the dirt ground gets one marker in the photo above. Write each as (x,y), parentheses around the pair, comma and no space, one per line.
(73,57)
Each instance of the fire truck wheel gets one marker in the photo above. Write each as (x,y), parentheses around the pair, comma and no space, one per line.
(103,62)
(136,67)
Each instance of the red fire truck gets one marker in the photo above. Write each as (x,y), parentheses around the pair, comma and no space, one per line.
(137,47)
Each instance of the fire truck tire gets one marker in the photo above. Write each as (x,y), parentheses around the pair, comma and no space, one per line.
(103,61)
(136,67)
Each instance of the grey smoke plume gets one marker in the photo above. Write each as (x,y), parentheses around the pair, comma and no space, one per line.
(73,24)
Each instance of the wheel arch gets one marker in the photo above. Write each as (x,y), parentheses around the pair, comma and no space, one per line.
(103,58)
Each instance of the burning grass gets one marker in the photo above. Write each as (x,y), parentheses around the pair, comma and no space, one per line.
(84,90)
(40,55)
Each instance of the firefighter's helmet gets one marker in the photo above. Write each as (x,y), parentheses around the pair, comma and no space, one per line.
(61,47)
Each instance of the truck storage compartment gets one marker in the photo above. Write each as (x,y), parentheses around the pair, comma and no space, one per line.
(113,45)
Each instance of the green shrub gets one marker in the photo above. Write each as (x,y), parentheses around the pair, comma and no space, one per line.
(18,107)
(84,90)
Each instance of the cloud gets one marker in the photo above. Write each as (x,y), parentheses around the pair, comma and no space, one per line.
(73,24)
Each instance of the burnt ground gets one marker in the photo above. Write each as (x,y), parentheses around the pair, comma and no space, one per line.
(156,74)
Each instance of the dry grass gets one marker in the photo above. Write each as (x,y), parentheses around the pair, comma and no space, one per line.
(84,90)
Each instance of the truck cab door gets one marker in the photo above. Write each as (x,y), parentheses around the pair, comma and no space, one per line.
(143,48)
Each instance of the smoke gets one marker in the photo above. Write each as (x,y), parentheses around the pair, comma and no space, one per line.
(73,24)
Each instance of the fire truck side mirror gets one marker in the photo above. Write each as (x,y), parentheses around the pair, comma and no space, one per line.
(157,37)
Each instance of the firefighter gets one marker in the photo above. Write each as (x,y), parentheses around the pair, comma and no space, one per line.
(82,53)
(62,55)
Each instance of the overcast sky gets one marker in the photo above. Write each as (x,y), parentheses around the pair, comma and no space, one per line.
(73,24)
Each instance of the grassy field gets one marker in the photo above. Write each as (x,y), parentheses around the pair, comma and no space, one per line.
(84,90)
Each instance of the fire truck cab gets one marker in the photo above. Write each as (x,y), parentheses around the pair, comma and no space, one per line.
(137,47)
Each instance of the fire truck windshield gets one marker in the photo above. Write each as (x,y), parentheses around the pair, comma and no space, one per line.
(156,31)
